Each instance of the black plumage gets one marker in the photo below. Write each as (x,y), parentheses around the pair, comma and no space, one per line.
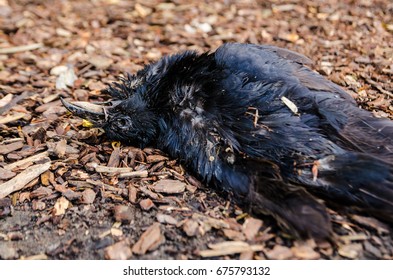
(254,120)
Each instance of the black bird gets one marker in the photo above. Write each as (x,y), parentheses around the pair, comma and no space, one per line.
(255,121)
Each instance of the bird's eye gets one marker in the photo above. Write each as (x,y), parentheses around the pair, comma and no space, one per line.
(122,123)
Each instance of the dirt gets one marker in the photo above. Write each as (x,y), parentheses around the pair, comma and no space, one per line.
(73,49)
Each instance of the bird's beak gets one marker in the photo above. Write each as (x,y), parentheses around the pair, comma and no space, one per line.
(95,113)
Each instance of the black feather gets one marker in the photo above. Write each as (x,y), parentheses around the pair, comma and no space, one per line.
(224,115)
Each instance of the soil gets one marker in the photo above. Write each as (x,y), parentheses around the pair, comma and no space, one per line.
(69,208)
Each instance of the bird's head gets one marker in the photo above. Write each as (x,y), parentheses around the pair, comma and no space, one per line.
(128,120)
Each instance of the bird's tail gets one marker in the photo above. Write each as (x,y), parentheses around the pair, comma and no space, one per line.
(353,179)
(290,204)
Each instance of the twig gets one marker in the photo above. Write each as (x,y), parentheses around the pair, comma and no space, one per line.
(134,174)
(106,169)
(24,48)
(19,181)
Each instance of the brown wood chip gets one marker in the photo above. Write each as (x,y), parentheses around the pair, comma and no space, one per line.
(279,252)
(251,228)
(155,158)
(146,204)
(166,219)
(20,180)
(6,174)
(60,206)
(234,234)
(5,149)
(88,196)
(169,186)
(124,214)
(229,248)
(118,251)
(190,227)
(151,239)
(60,148)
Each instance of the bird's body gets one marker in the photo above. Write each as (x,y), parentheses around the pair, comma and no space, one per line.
(255,121)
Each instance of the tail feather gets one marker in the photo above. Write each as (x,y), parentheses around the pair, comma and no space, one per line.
(292,206)
(355,179)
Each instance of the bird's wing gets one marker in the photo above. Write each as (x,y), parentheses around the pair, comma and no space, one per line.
(322,104)
(273,63)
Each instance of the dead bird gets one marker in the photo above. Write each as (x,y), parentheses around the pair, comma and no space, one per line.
(255,121)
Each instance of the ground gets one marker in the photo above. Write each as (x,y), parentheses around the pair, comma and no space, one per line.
(59,196)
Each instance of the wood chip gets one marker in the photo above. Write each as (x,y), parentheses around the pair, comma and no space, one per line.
(60,148)
(118,251)
(279,252)
(123,213)
(5,149)
(155,158)
(88,196)
(150,240)
(370,222)
(6,174)
(110,170)
(169,186)
(146,204)
(60,206)
(132,194)
(305,252)
(31,159)
(20,180)
(251,227)
(12,118)
(134,174)
(166,219)
(191,227)
(229,248)
(100,62)
(350,251)
(234,234)
(114,159)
